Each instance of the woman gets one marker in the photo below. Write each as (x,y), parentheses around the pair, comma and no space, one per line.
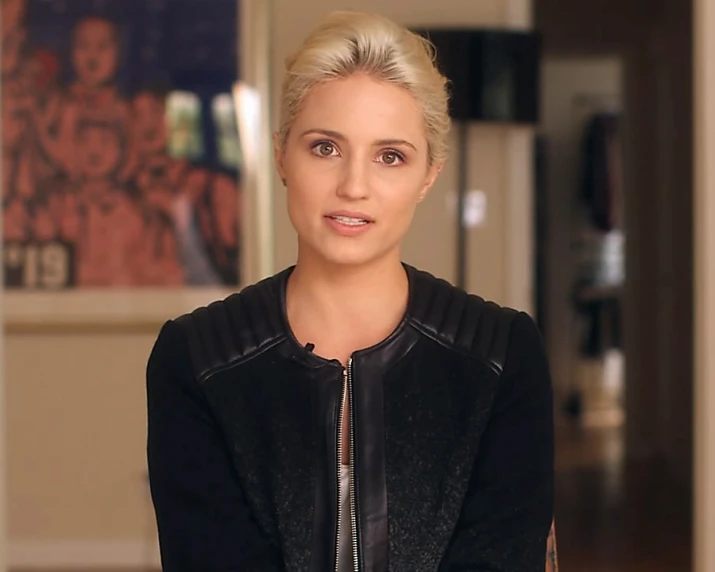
(352,412)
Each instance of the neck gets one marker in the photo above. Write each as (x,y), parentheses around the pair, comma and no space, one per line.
(356,306)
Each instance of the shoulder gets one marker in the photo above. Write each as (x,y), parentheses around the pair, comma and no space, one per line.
(482,329)
(228,331)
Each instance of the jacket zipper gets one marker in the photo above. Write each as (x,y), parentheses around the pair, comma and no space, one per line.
(353,470)
(341,408)
(347,383)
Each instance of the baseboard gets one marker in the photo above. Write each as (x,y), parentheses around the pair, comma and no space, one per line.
(78,555)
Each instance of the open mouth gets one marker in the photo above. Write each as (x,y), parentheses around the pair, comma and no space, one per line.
(350,221)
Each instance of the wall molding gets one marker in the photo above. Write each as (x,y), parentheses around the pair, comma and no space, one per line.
(84,554)
(519,238)
(704,310)
(520,205)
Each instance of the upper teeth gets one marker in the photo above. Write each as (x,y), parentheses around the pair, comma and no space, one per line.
(349,220)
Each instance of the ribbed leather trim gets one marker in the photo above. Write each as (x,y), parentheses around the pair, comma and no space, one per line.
(232,330)
(461,321)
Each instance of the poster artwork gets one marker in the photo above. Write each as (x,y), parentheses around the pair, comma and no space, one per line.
(91,194)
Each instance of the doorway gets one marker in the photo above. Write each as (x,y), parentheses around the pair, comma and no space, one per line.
(617,302)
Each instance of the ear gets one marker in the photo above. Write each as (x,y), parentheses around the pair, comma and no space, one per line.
(432,174)
(278,156)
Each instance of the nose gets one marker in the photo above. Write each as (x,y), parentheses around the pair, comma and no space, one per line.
(354,183)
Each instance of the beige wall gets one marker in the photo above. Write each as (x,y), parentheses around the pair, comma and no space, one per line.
(76,478)
(3,434)
(75,400)
(704,286)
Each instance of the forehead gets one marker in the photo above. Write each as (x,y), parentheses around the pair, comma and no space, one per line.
(94,29)
(361,106)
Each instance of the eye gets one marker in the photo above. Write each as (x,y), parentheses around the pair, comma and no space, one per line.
(324,149)
(392,158)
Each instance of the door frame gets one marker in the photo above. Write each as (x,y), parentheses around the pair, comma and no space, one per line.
(704,310)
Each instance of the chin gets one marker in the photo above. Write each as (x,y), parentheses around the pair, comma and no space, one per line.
(352,255)
(350,260)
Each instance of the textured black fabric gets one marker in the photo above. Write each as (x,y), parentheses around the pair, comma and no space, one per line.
(508,509)
(453,439)
(203,517)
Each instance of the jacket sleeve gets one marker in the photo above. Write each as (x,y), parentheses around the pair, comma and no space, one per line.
(203,520)
(508,510)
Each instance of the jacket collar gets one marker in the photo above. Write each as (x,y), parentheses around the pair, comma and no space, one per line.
(389,350)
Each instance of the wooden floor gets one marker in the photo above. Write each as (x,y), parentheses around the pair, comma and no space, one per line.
(614,516)
(611,516)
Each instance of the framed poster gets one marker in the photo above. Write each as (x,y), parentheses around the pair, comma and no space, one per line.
(135,143)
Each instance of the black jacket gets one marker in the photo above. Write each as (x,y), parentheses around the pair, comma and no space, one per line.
(452,439)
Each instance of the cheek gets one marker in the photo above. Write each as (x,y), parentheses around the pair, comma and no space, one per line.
(401,192)
(398,204)
(303,200)
(108,57)
(402,211)
(307,182)
(299,209)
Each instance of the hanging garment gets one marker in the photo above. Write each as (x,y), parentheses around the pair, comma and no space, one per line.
(601,182)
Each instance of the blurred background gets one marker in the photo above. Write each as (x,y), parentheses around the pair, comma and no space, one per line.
(137,185)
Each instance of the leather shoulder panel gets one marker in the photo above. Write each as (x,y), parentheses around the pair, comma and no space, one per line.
(460,320)
(235,329)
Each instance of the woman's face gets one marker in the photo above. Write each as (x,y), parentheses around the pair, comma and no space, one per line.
(356,165)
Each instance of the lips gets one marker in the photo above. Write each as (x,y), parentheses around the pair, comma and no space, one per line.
(350,218)
(349,221)
(349,224)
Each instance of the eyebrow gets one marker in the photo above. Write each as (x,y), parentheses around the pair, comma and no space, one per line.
(341,137)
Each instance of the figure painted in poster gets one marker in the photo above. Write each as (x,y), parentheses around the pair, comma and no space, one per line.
(90,195)
(18,104)
(200,206)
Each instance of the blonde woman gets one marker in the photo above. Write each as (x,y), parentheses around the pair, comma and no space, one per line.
(353,413)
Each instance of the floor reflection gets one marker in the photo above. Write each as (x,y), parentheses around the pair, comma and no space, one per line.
(613,515)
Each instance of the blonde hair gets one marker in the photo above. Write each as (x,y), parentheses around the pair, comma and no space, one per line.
(345,43)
